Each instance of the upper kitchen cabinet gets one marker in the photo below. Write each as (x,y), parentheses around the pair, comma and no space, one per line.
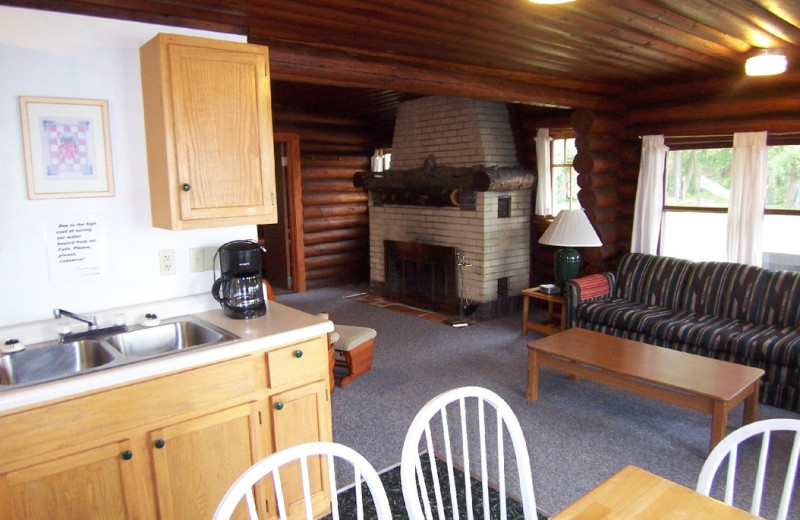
(208,121)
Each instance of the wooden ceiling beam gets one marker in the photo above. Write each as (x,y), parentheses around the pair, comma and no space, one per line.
(289,62)
(709,37)
(408,32)
(727,20)
(763,19)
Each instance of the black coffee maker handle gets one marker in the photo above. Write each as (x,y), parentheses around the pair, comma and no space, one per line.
(216,287)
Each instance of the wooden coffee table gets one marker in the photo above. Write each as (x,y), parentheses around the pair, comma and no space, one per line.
(692,381)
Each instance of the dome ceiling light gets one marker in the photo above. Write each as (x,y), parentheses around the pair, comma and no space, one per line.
(766,62)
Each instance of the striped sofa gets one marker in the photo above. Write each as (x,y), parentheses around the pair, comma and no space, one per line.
(735,312)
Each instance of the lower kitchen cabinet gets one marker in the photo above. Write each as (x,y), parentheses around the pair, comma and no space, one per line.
(168,447)
(196,461)
(292,423)
(96,483)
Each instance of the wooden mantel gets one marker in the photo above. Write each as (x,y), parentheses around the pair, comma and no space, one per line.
(436,185)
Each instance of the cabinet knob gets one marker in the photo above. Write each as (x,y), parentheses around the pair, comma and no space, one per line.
(159,443)
(279,406)
(127,455)
(298,353)
(186,186)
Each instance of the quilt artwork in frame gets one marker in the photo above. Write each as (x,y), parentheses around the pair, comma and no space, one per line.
(67,147)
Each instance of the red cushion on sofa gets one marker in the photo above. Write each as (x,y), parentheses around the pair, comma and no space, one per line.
(592,286)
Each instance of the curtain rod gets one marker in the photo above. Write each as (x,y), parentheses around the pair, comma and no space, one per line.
(717,136)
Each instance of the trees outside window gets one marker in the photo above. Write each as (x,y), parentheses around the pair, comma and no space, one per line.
(697,194)
(564,176)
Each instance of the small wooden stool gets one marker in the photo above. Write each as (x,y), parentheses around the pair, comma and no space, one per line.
(353,351)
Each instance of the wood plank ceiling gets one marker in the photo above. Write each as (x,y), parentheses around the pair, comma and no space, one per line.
(597,48)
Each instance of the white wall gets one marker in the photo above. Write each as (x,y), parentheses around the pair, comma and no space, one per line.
(60,55)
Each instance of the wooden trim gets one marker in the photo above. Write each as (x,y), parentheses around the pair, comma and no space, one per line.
(294,197)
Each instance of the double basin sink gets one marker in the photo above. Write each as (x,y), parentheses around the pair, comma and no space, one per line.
(54,360)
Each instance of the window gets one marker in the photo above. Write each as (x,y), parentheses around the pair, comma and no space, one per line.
(563,175)
(697,194)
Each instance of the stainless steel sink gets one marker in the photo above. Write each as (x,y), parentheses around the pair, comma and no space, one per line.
(167,337)
(106,348)
(53,361)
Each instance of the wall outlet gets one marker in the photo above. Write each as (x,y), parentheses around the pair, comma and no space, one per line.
(197,260)
(166,262)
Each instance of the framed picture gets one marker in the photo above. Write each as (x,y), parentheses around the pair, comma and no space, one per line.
(67,147)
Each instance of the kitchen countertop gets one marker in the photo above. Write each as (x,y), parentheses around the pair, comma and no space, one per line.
(281,325)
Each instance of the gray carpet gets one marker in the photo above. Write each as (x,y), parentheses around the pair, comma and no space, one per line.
(578,433)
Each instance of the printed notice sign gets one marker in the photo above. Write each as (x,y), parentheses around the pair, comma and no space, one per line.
(76,248)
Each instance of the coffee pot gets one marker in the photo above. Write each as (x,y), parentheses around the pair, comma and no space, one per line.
(239,289)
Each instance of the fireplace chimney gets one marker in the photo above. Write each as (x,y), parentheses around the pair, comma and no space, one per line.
(455,182)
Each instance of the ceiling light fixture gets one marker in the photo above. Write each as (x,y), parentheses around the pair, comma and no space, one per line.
(766,62)
(551,2)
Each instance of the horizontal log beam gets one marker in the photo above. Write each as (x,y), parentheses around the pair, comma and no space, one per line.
(448,178)
(314,225)
(306,64)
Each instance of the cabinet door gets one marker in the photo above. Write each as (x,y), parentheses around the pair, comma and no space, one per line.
(196,461)
(222,132)
(92,484)
(302,415)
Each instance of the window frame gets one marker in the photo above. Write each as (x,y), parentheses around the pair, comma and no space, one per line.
(556,135)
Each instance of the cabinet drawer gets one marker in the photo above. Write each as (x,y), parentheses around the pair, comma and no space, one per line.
(306,361)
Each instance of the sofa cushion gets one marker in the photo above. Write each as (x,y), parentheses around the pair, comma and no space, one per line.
(620,313)
(706,333)
(768,344)
(654,280)
(746,292)
(779,303)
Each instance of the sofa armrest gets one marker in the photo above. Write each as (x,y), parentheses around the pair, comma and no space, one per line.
(587,288)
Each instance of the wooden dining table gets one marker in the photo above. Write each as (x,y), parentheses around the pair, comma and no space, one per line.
(633,493)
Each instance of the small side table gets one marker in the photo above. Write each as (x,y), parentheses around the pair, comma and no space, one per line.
(554,322)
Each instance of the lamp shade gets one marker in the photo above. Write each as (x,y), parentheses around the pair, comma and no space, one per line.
(571,228)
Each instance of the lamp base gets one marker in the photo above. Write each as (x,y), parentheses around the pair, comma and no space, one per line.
(566,264)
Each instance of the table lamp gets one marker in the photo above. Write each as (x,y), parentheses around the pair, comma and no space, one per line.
(570,229)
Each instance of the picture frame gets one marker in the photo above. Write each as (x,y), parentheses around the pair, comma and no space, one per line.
(67,147)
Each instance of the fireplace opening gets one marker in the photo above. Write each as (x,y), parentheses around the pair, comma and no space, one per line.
(421,275)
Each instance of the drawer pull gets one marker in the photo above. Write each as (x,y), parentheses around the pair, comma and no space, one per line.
(186,186)
(159,443)
(127,455)
(279,405)
(298,353)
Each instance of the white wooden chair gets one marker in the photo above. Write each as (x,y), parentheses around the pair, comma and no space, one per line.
(729,448)
(471,436)
(363,471)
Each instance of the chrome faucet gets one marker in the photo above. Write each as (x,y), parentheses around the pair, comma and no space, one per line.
(91,320)
(93,331)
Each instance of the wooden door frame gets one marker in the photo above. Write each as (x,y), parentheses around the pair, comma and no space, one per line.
(294,208)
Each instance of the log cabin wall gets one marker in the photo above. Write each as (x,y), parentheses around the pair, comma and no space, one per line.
(335,216)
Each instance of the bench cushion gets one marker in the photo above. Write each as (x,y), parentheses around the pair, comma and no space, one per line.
(351,336)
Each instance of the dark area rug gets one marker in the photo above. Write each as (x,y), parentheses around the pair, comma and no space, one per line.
(394,492)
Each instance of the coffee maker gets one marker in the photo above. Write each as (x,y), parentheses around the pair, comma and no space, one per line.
(239,289)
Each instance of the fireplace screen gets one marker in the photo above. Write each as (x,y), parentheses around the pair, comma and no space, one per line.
(421,275)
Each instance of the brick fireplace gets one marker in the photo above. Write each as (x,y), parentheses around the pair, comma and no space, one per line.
(490,228)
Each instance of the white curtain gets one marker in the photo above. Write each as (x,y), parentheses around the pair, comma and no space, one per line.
(649,196)
(544,187)
(748,195)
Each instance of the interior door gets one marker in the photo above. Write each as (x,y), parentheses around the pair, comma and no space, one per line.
(284,261)
(277,238)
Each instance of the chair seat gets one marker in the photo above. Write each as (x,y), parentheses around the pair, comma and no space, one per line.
(350,336)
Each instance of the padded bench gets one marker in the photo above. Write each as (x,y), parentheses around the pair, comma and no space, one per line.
(352,351)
